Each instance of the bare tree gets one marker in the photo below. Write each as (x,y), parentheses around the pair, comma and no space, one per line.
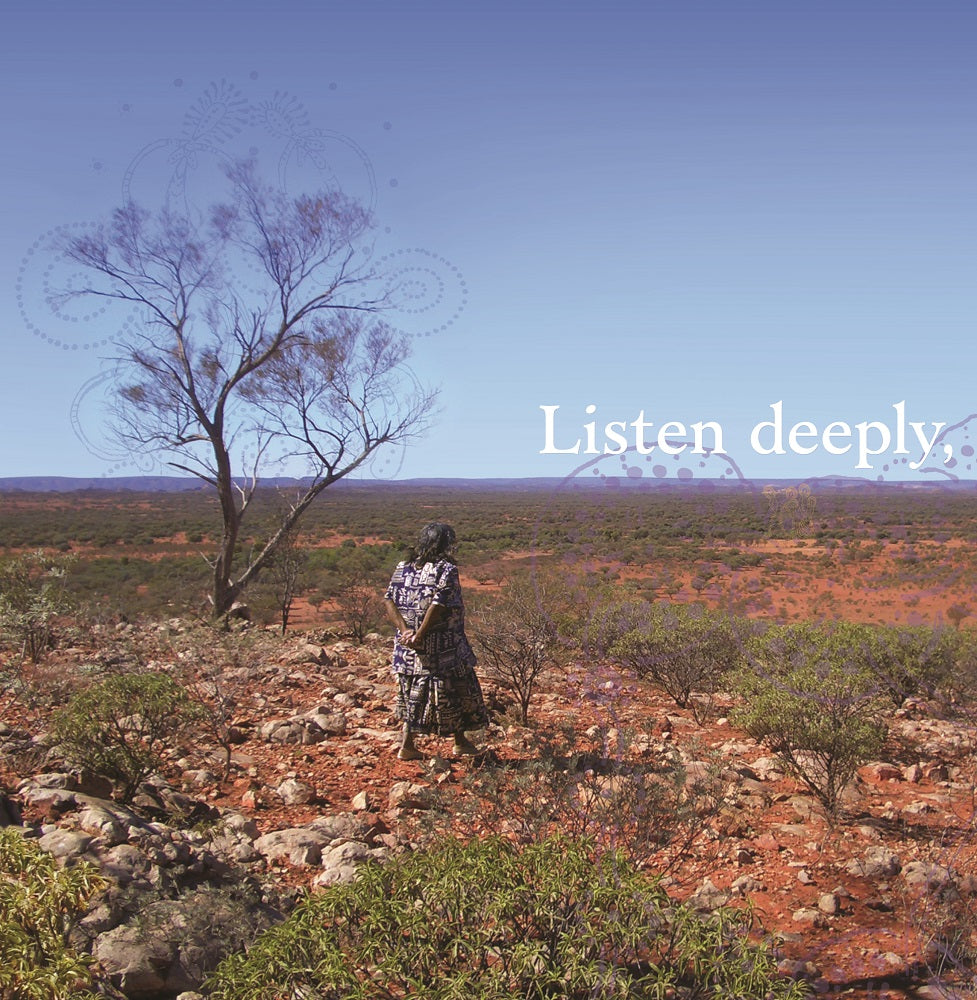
(516,636)
(358,597)
(258,338)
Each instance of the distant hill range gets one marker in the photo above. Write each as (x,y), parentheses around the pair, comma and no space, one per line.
(171,484)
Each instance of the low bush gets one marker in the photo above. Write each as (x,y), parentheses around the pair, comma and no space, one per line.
(613,796)
(517,637)
(32,595)
(909,660)
(118,726)
(812,697)
(683,649)
(491,920)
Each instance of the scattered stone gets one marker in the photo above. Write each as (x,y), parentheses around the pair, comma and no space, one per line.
(307,653)
(65,844)
(410,795)
(919,808)
(766,842)
(107,821)
(913,774)
(879,904)
(200,777)
(928,877)
(876,862)
(708,897)
(809,917)
(307,729)
(746,884)
(795,968)
(125,863)
(295,793)
(136,965)
(878,772)
(50,803)
(829,903)
(805,807)
(769,768)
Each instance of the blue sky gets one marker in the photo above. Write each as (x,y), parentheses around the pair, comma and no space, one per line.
(690,210)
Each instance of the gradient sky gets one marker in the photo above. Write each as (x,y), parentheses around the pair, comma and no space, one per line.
(690,209)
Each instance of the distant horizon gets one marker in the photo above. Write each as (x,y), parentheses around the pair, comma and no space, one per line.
(67,484)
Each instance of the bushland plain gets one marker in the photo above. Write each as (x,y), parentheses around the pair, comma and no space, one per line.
(825,889)
(886,554)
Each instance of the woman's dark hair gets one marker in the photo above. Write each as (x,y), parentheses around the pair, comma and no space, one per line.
(435,541)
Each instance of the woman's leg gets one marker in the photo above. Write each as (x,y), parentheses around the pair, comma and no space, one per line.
(407,749)
(463,744)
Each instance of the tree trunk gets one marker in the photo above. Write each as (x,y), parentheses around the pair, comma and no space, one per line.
(225,592)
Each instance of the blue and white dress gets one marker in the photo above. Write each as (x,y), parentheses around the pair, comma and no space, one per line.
(438,690)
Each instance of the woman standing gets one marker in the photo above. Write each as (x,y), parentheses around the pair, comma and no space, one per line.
(438,691)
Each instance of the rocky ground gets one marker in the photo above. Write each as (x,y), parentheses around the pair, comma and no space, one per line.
(872,903)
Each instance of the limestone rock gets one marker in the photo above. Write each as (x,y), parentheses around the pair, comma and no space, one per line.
(301,845)
(410,795)
(809,917)
(708,897)
(829,903)
(295,793)
(876,862)
(65,845)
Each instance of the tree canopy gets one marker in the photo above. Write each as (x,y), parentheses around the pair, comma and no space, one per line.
(259,345)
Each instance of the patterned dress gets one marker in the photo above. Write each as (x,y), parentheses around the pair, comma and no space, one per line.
(438,691)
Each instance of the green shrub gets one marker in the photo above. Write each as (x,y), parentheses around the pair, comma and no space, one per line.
(39,904)
(683,649)
(32,595)
(118,726)
(813,698)
(909,660)
(498,922)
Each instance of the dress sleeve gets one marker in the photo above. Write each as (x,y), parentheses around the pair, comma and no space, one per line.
(391,592)
(447,588)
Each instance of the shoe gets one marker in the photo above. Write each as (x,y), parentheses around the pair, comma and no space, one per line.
(465,746)
(409,753)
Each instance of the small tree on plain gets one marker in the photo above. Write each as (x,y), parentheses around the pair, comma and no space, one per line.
(287,569)
(813,698)
(358,598)
(685,650)
(256,339)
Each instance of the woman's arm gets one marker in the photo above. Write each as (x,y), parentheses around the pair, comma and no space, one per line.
(394,616)
(435,613)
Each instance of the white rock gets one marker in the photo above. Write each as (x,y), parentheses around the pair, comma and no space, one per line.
(295,793)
